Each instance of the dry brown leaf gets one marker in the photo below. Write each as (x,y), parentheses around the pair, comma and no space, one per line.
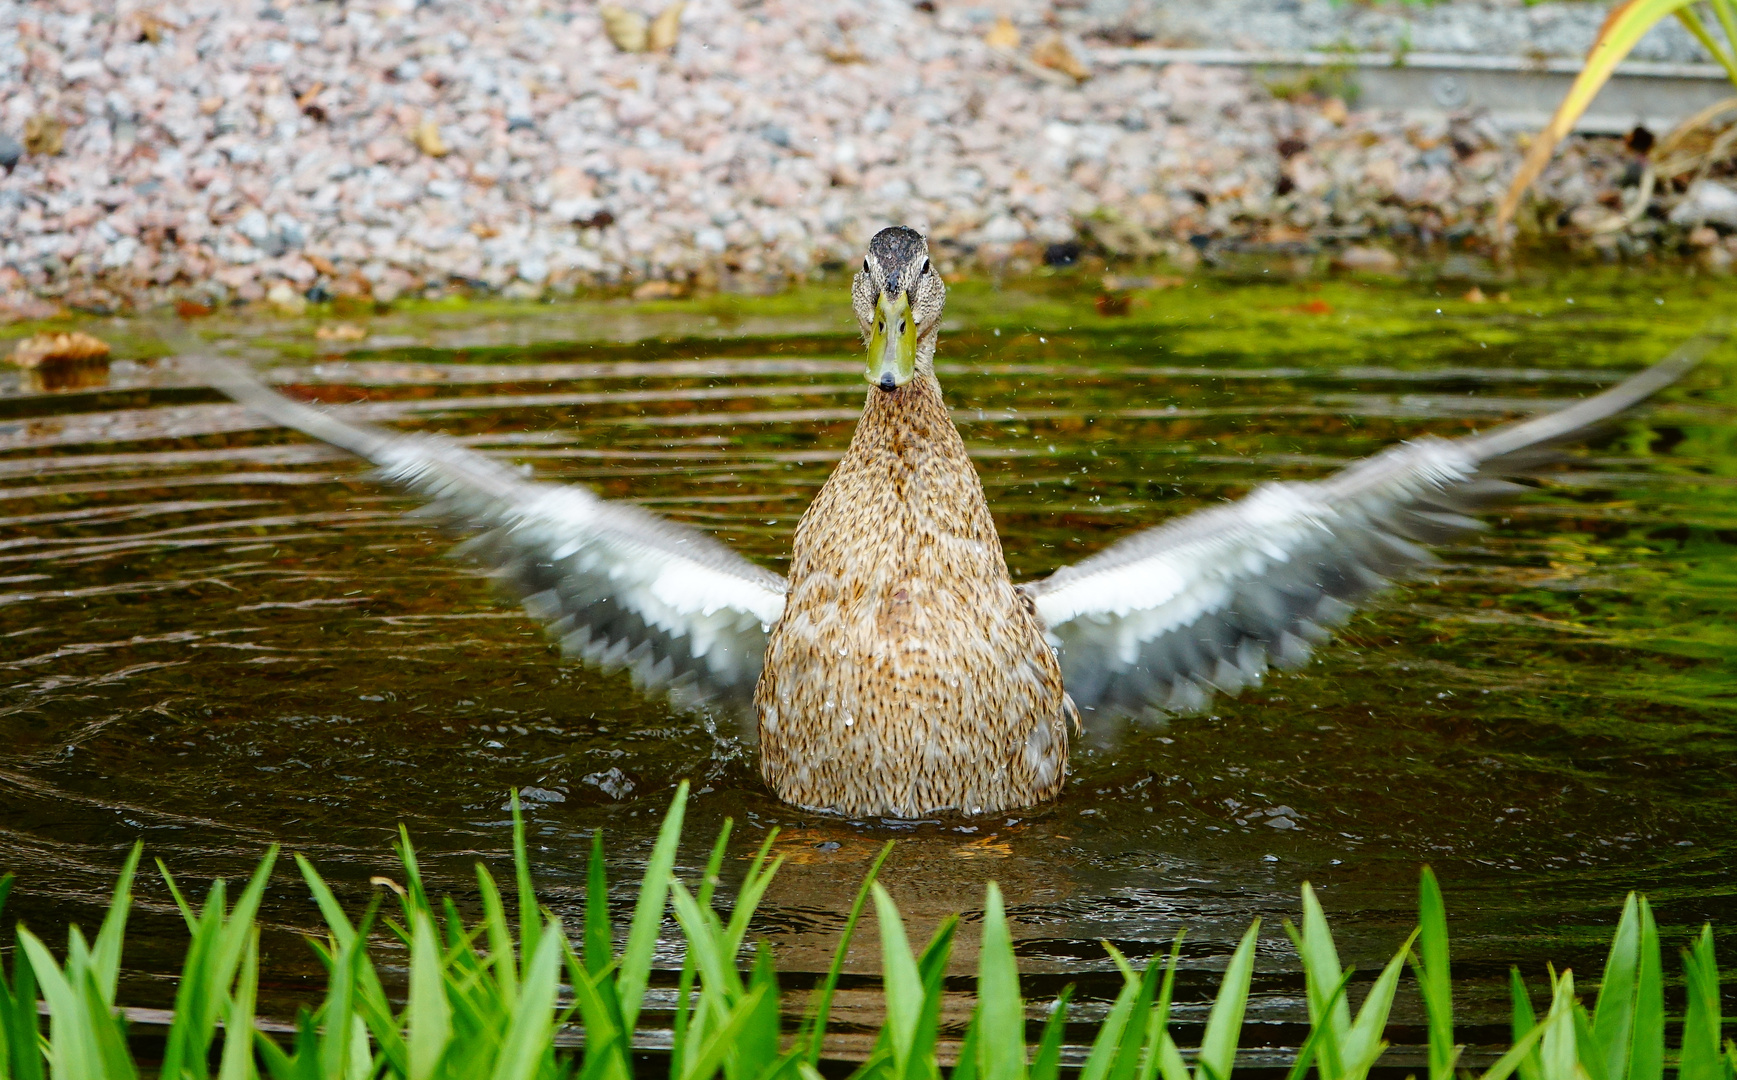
(1053,53)
(426,136)
(661,34)
(1474,295)
(660,290)
(1003,35)
(151,26)
(482,230)
(42,349)
(340,332)
(626,28)
(1333,110)
(44,134)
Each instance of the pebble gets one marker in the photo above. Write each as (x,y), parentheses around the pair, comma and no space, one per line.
(396,148)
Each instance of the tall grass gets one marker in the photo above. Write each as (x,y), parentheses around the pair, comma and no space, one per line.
(486,999)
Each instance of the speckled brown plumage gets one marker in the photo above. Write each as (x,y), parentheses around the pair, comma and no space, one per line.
(907,674)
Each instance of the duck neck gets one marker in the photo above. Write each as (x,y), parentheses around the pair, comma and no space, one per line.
(900,428)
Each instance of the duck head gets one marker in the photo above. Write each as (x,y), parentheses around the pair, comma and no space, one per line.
(898,298)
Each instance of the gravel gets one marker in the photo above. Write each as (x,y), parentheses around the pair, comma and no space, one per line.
(227,150)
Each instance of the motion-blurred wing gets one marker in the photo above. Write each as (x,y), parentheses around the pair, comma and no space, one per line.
(1163,619)
(617,586)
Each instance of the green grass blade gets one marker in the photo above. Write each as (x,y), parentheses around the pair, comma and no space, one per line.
(829,985)
(1613,1014)
(1700,1058)
(754,885)
(1127,1060)
(501,955)
(530,918)
(1525,1048)
(106,951)
(1001,1051)
(902,985)
(1158,1023)
(1108,1041)
(428,1014)
(1224,1025)
(706,945)
(1558,1052)
(1523,1023)
(416,898)
(330,910)
(1046,1064)
(1363,1045)
(755,1053)
(529,1039)
(69,1042)
(1647,1056)
(932,966)
(717,1047)
(642,933)
(1435,978)
(237,1061)
(599,937)
(1321,964)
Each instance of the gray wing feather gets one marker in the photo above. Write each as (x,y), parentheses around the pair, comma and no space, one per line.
(1160,621)
(617,586)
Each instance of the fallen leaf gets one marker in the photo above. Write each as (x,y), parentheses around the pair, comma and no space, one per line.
(307,98)
(1110,304)
(152,25)
(340,332)
(482,230)
(987,847)
(1053,53)
(426,136)
(661,34)
(659,290)
(1474,295)
(1003,35)
(191,309)
(42,349)
(1315,306)
(626,28)
(44,134)
(1333,110)
(320,263)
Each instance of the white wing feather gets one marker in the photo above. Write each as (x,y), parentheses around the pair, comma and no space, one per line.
(618,586)
(1161,620)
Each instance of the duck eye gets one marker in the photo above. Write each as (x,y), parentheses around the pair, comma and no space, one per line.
(865,268)
(925,268)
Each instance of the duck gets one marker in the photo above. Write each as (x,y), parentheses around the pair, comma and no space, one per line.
(897,670)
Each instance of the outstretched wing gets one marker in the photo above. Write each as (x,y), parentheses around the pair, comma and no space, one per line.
(617,586)
(1163,619)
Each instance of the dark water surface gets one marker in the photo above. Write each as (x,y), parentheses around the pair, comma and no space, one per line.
(215,635)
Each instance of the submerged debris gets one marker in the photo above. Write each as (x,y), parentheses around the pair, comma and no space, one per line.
(76,347)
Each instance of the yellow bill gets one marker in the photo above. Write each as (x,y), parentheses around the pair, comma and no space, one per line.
(892,351)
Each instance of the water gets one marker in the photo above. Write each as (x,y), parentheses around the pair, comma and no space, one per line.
(215,635)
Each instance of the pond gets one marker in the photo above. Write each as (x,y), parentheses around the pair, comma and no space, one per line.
(216,635)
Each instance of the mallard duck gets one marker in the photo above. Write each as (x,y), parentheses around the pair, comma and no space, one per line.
(898,670)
